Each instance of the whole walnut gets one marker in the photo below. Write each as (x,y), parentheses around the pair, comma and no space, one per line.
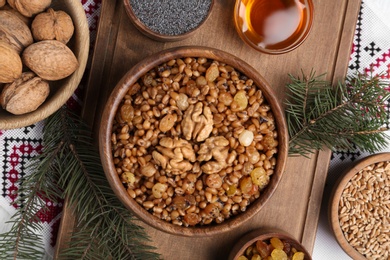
(14,31)
(25,94)
(26,20)
(10,63)
(52,25)
(2,3)
(50,59)
(29,8)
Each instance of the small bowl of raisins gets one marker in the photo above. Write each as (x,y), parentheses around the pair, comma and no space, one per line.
(268,244)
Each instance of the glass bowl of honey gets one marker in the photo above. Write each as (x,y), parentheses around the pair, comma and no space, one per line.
(273,27)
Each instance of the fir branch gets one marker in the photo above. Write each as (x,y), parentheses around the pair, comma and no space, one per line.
(23,240)
(101,217)
(71,165)
(342,117)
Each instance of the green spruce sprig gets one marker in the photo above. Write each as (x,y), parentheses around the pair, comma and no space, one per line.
(24,240)
(343,117)
(69,167)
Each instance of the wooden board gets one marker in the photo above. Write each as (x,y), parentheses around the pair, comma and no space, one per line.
(295,206)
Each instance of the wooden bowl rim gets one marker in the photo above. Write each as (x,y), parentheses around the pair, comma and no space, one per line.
(69,84)
(292,47)
(145,30)
(263,234)
(335,198)
(106,129)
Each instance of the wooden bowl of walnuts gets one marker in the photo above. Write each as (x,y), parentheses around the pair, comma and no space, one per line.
(193,141)
(268,244)
(44,48)
(359,208)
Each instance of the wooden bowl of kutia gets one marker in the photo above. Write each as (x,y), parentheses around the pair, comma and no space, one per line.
(193,141)
(359,208)
(268,244)
(168,21)
(44,50)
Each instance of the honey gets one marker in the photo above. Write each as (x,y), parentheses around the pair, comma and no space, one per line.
(272,24)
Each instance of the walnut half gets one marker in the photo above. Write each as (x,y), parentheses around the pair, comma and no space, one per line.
(197,123)
(174,155)
(217,148)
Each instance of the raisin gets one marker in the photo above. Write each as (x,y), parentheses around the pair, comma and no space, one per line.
(269,142)
(259,177)
(287,248)
(241,99)
(249,251)
(262,248)
(276,243)
(298,256)
(127,112)
(256,257)
(279,254)
(231,190)
(191,219)
(246,185)
(179,202)
(211,210)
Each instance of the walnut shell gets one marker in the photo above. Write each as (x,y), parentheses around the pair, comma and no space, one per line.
(10,63)
(11,3)
(25,94)
(2,3)
(26,20)
(52,25)
(29,8)
(50,59)
(14,31)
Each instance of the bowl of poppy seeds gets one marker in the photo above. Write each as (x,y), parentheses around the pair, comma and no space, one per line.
(172,20)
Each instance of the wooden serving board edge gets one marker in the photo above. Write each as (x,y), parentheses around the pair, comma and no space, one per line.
(103,46)
(340,70)
(68,219)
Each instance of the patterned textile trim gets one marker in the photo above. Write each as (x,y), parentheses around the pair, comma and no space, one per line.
(18,146)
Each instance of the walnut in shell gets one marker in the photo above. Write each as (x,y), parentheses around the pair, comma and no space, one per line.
(50,59)
(26,20)
(2,3)
(52,25)
(14,31)
(29,8)
(25,94)
(10,63)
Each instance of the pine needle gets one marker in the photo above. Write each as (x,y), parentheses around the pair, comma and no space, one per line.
(70,167)
(347,116)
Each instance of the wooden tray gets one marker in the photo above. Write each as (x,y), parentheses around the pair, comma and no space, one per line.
(295,206)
